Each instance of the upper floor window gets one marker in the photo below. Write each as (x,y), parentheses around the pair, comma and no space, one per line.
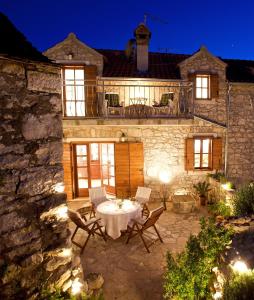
(74,91)
(203,87)
(202,153)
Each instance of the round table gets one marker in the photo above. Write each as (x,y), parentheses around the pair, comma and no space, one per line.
(116,214)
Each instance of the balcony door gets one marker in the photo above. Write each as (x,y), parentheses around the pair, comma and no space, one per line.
(94,166)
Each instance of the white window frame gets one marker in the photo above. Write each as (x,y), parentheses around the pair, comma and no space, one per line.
(202,90)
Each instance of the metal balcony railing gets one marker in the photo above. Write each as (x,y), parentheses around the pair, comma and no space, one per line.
(128,98)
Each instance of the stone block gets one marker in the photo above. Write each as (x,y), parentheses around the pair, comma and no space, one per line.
(43,82)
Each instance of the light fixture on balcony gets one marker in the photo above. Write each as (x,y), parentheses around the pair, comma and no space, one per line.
(123,138)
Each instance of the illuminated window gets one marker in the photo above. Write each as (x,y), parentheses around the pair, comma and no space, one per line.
(202,86)
(74,92)
(202,153)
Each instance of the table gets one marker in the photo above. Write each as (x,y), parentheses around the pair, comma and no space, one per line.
(139,104)
(116,214)
(183,204)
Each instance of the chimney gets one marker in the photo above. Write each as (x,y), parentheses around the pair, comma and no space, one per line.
(142,35)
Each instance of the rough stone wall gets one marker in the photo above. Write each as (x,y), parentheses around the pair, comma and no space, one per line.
(33,234)
(240,160)
(80,53)
(164,149)
(203,61)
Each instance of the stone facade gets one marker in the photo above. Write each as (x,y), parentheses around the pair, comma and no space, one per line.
(33,231)
(164,147)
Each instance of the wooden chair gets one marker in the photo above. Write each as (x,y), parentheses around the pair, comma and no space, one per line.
(92,227)
(143,196)
(97,196)
(139,226)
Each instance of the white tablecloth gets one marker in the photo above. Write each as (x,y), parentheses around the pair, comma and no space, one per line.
(116,218)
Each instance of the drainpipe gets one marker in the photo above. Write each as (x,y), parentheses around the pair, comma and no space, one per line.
(229,87)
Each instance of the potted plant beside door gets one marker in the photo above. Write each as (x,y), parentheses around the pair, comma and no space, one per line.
(202,188)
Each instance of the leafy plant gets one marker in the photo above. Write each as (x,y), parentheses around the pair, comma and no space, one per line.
(58,294)
(239,287)
(219,176)
(189,275)
(202,187)
(220,209)
(243,200)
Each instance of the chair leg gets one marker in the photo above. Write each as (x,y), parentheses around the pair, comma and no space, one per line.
(73,235)
(156,230)
(102,233)
(142,238)
(130,234)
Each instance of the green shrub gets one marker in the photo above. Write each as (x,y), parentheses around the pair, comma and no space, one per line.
(220,209)
(219,176)
(189,275)
(239,287)
(243,201)
(202,188)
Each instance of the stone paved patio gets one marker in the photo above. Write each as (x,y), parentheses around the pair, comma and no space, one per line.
(131,273)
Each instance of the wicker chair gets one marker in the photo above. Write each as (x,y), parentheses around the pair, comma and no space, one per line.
(139,226)
(143,196)
(92,227)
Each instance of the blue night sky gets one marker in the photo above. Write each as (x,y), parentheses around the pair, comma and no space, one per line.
(224,27)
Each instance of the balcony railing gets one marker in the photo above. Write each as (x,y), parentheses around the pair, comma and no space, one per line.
(129,98)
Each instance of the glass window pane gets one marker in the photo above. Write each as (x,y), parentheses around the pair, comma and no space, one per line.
(204,82)
(197,146)
(206,146)
(105,181)
(80,93)
(204,93)
(69,92)
(198,82)
(205,161)
(82,161)
(197,160)
(70,108)
(79,75)
(81,149)
(95,183)
(69,74)
(83,183)
(198,93)
(94,151)
(80,106)
(112,171)
(82,172)
(112,181)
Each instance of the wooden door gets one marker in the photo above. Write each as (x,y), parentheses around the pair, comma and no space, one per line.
(136,167)
(81,170)
(129,164)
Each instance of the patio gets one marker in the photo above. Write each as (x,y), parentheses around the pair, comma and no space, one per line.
(130,273)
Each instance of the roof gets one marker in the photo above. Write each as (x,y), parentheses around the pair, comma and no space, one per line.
(14,44)
(165,66)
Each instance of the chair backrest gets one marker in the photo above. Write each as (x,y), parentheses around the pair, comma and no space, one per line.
(76,219)
(143,194)
(97,195)
(153,217)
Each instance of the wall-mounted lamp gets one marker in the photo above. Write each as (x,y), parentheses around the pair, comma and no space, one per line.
(123,138)
(70,56)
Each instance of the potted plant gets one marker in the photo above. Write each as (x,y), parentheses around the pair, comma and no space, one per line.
(202,188)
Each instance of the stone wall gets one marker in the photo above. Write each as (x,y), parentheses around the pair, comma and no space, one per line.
(205,62)
(240,161)
(33,221)
(164,147)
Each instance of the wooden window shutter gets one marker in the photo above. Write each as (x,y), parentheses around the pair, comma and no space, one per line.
(189,154)
(217,153)
(214,85)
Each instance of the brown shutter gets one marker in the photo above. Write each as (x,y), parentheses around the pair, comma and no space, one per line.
(214,85)
(67,166)
(136,167)
(192,78)
(122,169)
(189,154)
(217,153)
(90,90)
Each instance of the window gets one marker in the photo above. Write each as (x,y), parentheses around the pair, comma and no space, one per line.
(202,153)
(202,86)
(165,98)
(74,92)
(113,99)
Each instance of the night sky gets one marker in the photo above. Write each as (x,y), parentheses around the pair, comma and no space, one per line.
(226,28)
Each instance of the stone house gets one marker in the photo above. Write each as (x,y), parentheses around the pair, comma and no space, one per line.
(135,117)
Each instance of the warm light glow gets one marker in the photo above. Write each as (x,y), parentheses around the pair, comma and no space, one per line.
(217,295)
(240,267)
(164,176)
(65,252)
(61,212)
(76,286)
(59,187)
(226,186)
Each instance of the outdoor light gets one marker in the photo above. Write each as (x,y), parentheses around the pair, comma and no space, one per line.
(226,186)
(164,176)
(59,187)
(76,286)
(61,212)
(217,295)
(123,137)
(65,252)
(240,267)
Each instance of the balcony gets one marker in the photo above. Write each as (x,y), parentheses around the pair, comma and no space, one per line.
(128,98)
